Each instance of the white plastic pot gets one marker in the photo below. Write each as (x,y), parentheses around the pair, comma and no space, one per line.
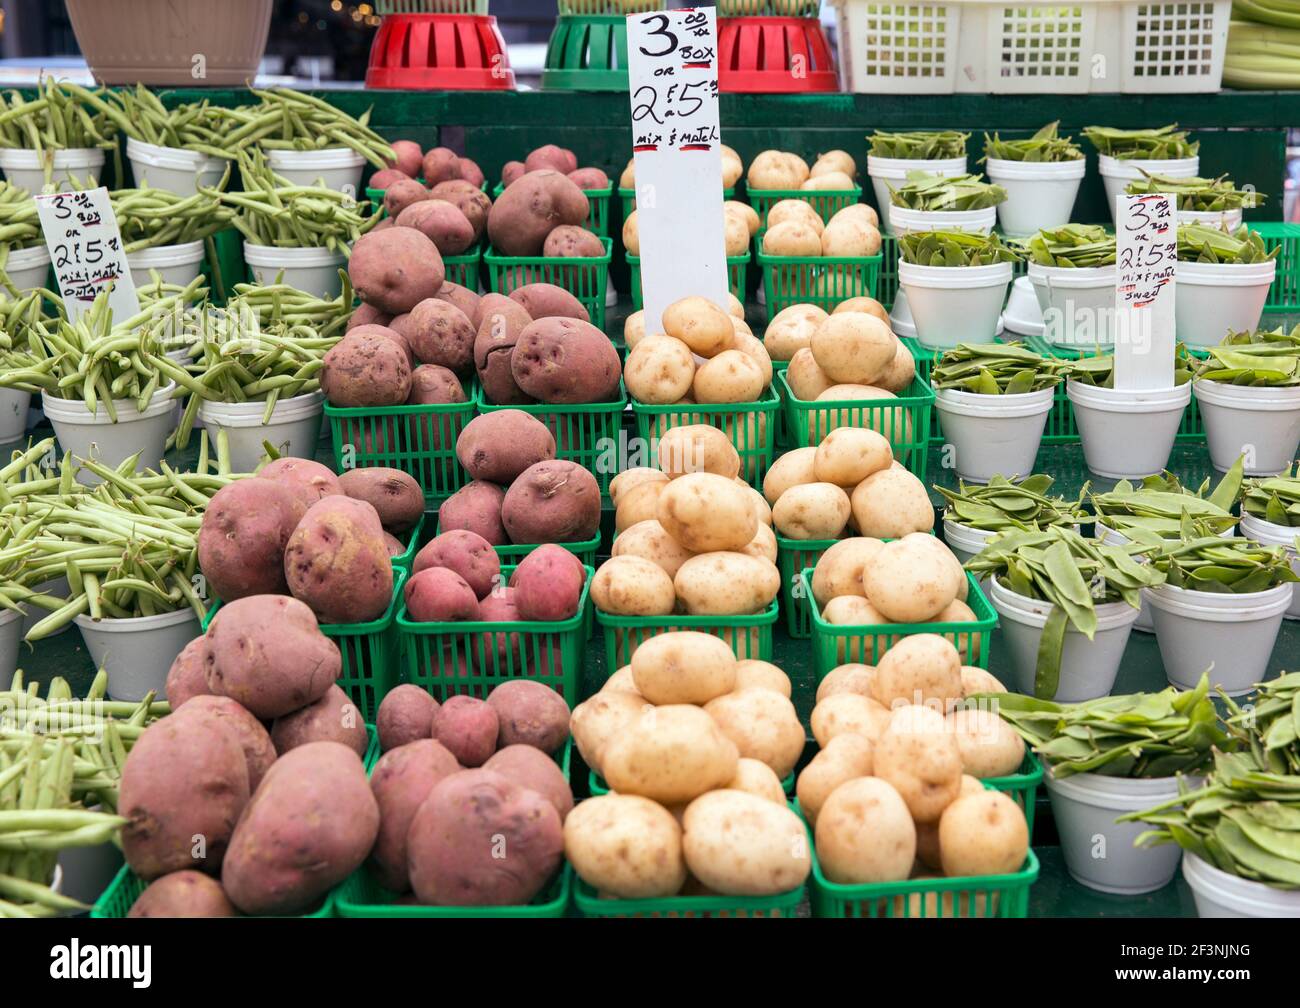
(964,541)
(94,435)
(1231,219)
(25,168)
(1039,194)
(177,264)
(1219,894)
(14,404)
(85,872)
(1088,667)
(886,172)
(1262,422)
(314,270)
(954,304)
(1213,299)
(28,268)
(1232,633)
(172,169)
(337,167)
(1269,533)
(993,435)
(57,587)
(1127,434)
(1116,174)
(972,221)
(900,315)
(1078,304)
(294,427)
(11,636)
(1099,852)
(137,653)
(1022,315)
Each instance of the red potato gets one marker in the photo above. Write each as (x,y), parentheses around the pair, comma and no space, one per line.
(267,653)
(332,718)
(440,333)
(401,194)
(500,445)
(469,199)
(395,546)
(512,171)
(397,332)
(183,894)
(434,385)
(569,241)
(188,677)
(440,595)
(548,584)
(336,562)
(441,222)
(394,494)
(439,165)
(364,314)
(560,159)
(470,171)
(366,369)
(401,781)
(530,209)
(475,507)
(404,715)
(589,179)
(566,361)
(408,158)
(317,479)
(468,554)
(500,322)
(544,300)
(309,826)
(242,537)
(468,727)
(395,269)
(530,768)
(385,177)
(530,713)
(502,650)
(556,501)
(462,297)
(254,741)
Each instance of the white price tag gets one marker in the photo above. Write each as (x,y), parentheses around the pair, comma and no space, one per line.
(676,138)
(86,248)
(1146,258)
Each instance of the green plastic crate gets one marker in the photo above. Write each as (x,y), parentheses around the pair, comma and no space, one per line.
(835,644)
(792,556)
(627,197)
(824,281)
(589,904)
(361,896)
(450,658)
(748,636)
(464,269)
(1021,787)
(1285,292)
(597,786)
(737,272)
(903,420)
(584,550)
(585,433)
(419,440)
(827,202)
(598,200)
(407,556)
(750,426)
(116,901)
(584,278)
(887,287)
(784,439)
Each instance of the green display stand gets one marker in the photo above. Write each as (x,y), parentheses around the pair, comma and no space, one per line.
(587,52)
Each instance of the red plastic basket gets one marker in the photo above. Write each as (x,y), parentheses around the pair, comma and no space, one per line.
(774,55)
(445,52)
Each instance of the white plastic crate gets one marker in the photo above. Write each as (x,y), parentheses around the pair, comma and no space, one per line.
(898,48)
(1173,45)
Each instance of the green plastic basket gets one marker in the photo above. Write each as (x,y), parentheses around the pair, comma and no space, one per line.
(597,202)
(597,786)
(463,269)
(973,896)
(1285,292)
(835,644)
(737,273)
(407,556)
(748,636)
(584,278)
(419,440)
(827,202)
(903,420)
(792,556)
(590,904)
(450,658)
(1022,787)
(361,896)
(627,197)
(116,901)
(750,426)
(585,433)
(367,649)
(584,550)
(824,281)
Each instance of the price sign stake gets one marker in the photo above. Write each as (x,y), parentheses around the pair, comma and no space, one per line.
(86,247)
(673,85)
(1146,236)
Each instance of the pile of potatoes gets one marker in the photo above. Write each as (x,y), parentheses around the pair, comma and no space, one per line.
(225,815)
(732,169)
(519,492)
(452,214)
(439,164)
(794,228)
(740,224)
(895,792)
(297,529)
(693,745)
(541,211)
(773,169)
(559,159)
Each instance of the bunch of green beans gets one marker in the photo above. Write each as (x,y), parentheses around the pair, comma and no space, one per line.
(275,212)
(1162,144)
(995,369)
(16,352)
(918,146)
(63,115)
(1201,243)
(1204,562)
(1047,145)
(292,120)
(1099,370)
(1275,499)
(1159,503)
(149,218)
(1003,504)
(1078,246)
(954,248)
(196,126)
(280,303)
(926,191)
(1198,193)
(20,226)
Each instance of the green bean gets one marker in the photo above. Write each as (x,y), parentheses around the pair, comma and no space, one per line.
(1165,143)
(1044,146)
(995,369)
(931,192)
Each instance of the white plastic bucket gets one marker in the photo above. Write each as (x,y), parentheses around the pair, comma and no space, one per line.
(23,167)
(972,221)
(337,167)
(58,588)
(94,435)
(11,636)
(964,541)
(28,268)
(954,304)
(137,653)
(1231,219)
(314,270)
(1219,894)
(1022,315)
(885,172)
(1039,194)
(1233,633)
(1099,852)
(993,435)
(1116,174)
(1271,534)
(172,169)
(1127,434)
(177,264)
(14,404)
(1088,667)
(1264,423)
(85,872)
(294,428)
(1078,304)
(900,316)
(1213,299)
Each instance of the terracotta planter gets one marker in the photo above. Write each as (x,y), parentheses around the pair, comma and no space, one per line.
(157,41)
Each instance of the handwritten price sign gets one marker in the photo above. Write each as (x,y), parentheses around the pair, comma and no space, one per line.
(676,144)
(1146,258)
(86,248)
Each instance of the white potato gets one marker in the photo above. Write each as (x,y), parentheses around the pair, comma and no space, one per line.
(683,667)
(671,753)
(812,511)
(625,846)
(632,586)
(705,512)
(738,844)
(722,583)
(763,725)
(839,569)
(865,834)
